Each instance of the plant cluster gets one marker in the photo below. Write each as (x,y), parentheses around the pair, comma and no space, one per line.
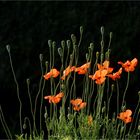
(76,104)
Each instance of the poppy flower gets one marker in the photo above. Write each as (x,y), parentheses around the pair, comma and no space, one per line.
(55,99)
(66,72)
(129,66)
(105,66)
(99,76)
(115,75)
(53,73)
(78,104)
(83,69)
(125,116)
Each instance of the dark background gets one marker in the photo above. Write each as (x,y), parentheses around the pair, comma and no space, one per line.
(27,27)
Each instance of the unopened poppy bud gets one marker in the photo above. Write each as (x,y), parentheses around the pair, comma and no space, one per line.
(24,126)
(139,93)
(45,115)
(110,35)
(103,109)
(102,30)
(139,127)
(123,108)
(122,128)
(41,57)
(91,46)
(28,81)
(102,44)
(50,43)
(8,48)
(97,55)
(68,43)
(73,38)
(102,57)
(53,44)
(60,51)
(63,44)
(81,29)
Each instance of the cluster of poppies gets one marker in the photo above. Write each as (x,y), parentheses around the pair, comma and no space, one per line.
(103,71)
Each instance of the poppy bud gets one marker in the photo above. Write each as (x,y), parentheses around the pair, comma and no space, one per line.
(60,51)
(73,38)
(139,93)
(8,47)
(46,64)
(63,44)
(68,43)
(97,55)
(102,30)
(49,43)
(91,46)
(28,81)
(53,44)
(41,57)
(139,127)
(81,30)
(110,35)
(24,126)
(103,109)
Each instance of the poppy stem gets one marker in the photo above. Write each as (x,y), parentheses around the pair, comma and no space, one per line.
(124,94)
(17,88)
(4,124)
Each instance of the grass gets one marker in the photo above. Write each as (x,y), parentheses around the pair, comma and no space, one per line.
(78,106)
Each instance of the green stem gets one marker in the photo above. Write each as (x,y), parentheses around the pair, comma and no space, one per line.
(128,77)
(17,87)
(4,124)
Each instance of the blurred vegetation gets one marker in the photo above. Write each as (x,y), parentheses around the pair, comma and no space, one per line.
(27,27)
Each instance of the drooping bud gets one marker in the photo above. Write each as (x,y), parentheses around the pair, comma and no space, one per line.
(8,47)
(73,38)
(50,43)
(41,57)
(81,30)
(68,43)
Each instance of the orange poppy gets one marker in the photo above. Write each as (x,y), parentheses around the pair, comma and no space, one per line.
(125,116)
(105,66)
(83,69)
(53,73)
(78,104)
(129,66)
(54,99)
(66,72)
(115,75)
(99,76)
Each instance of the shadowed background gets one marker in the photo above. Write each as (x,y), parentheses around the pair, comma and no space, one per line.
(27,27)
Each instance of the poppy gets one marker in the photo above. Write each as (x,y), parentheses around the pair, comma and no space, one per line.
(125,116)
(54,99)
(53,73)
(105,66)
(83,69)
(99,76)
(115,75)
(66,72)
(129,66)
(78,104)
